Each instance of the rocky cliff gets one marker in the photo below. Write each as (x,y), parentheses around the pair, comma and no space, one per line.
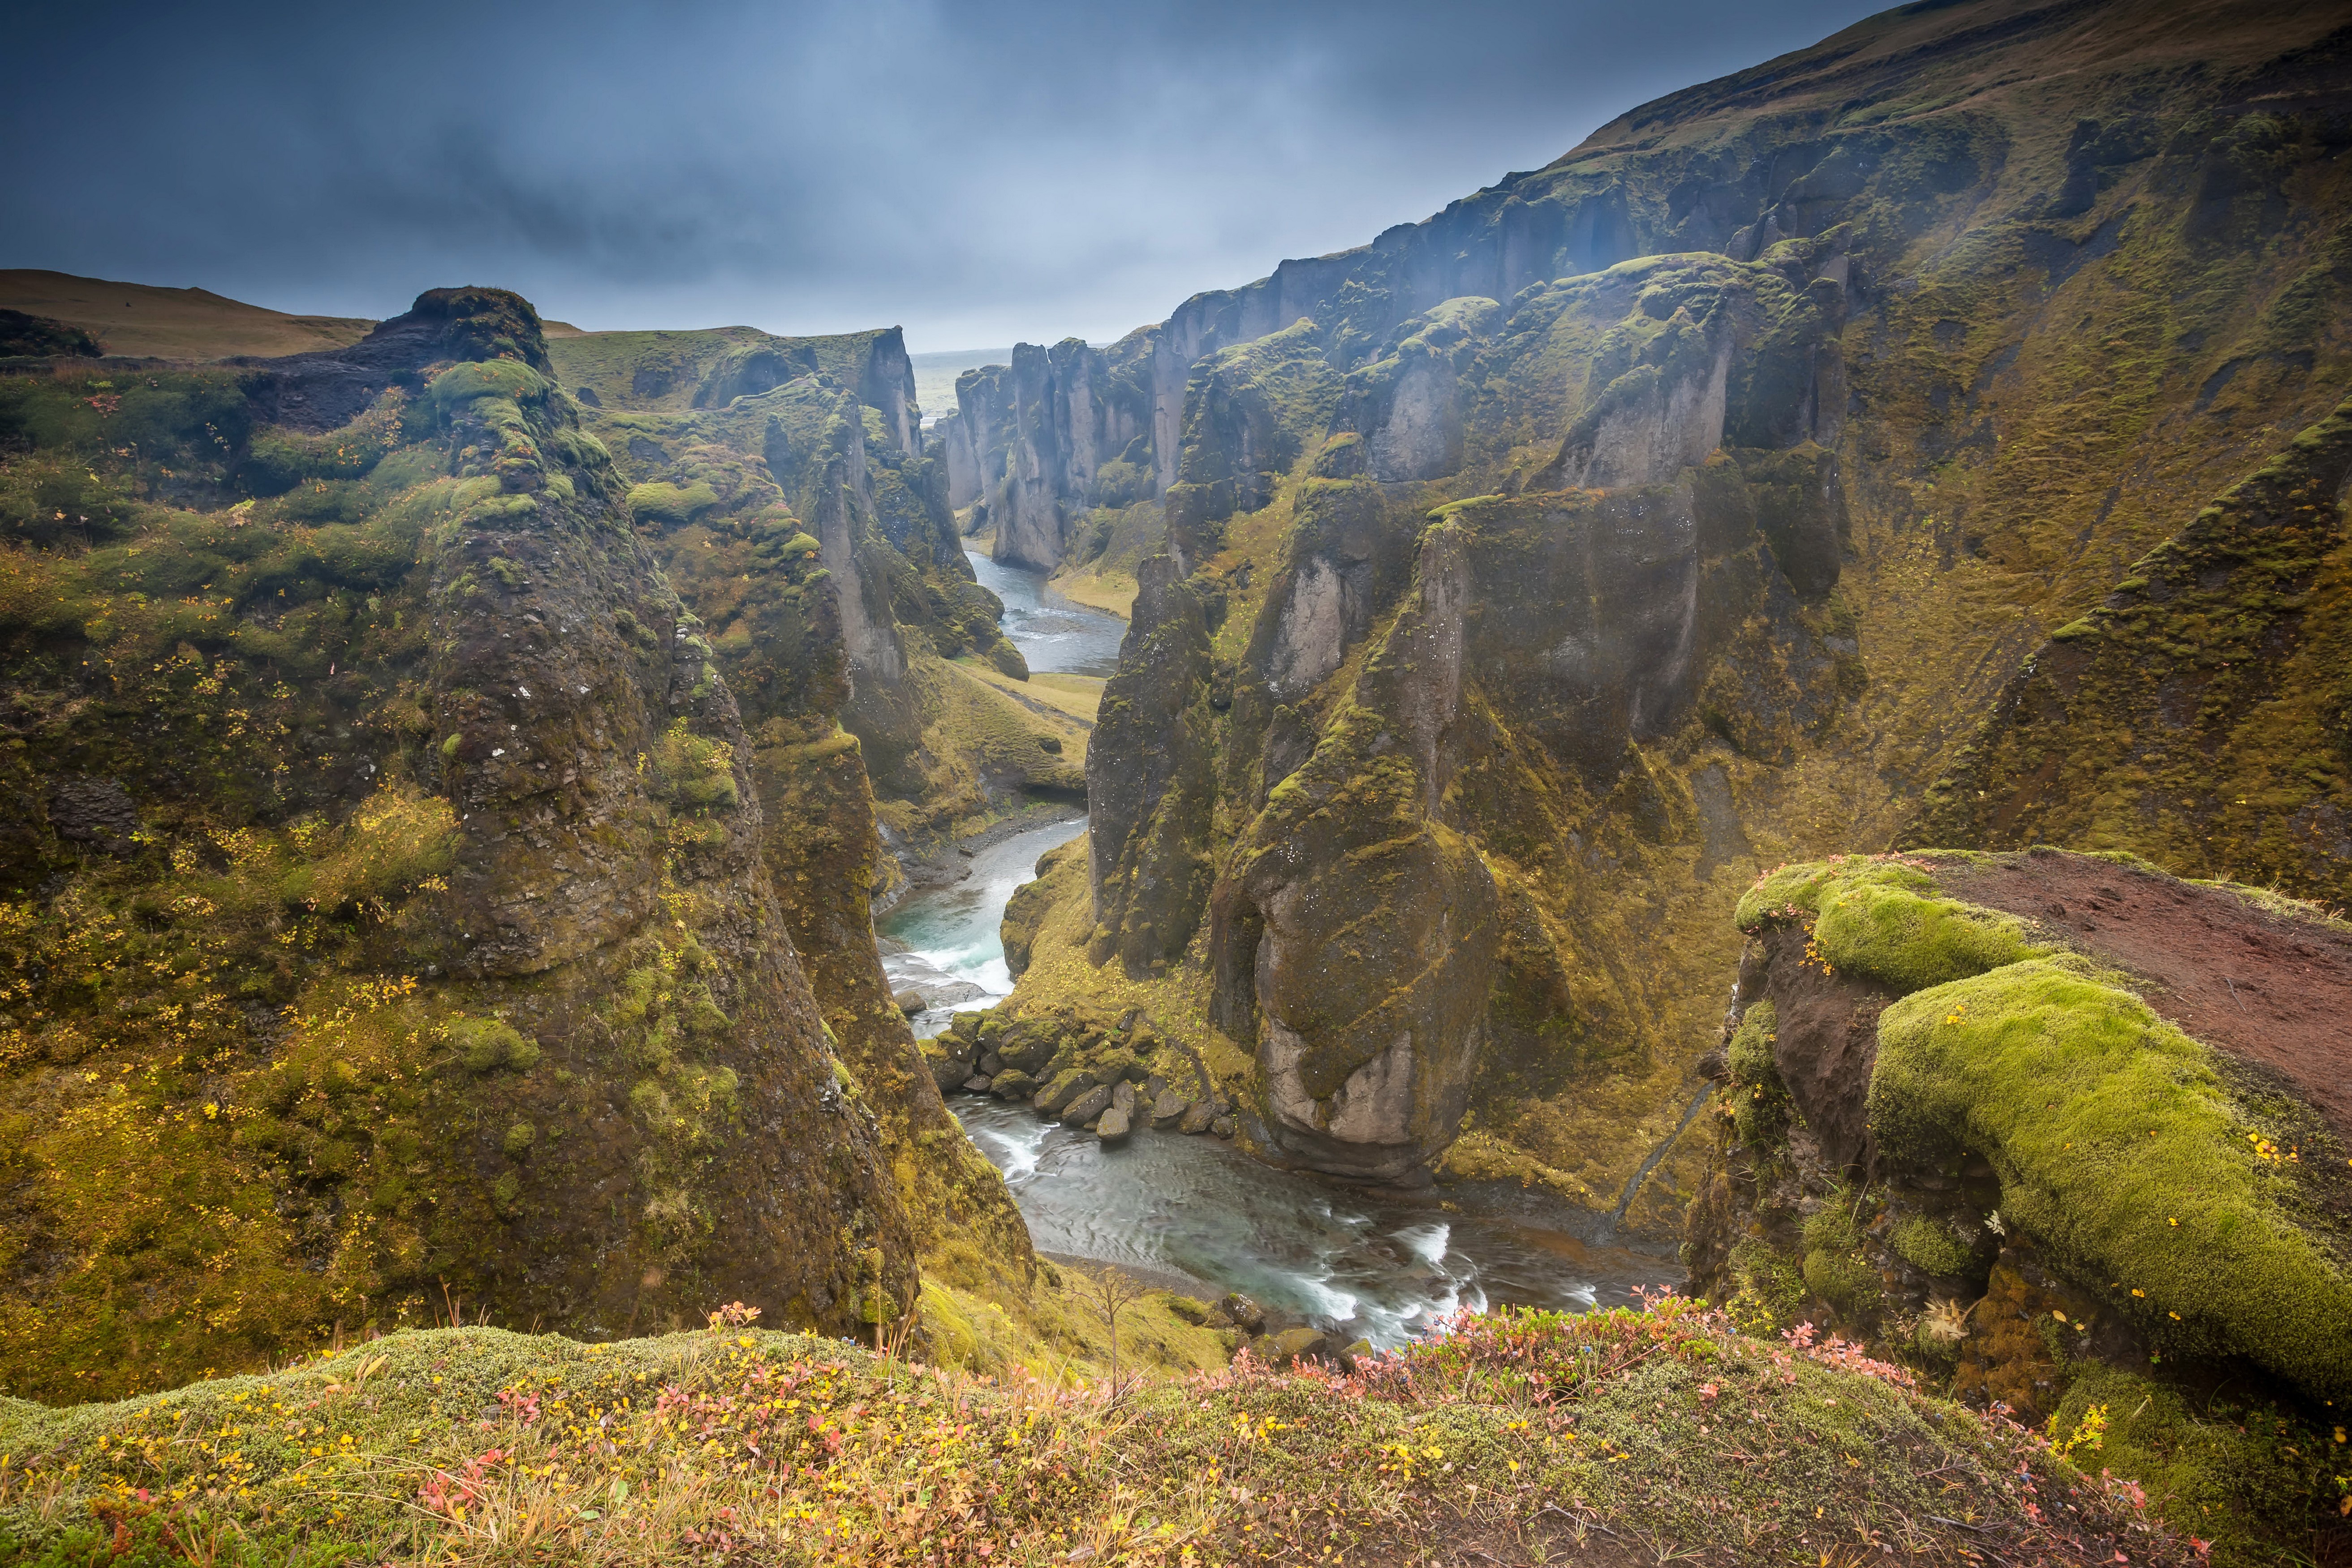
(825,450)
(2068,1133)
(394,927)
(1690,504)
(813,546)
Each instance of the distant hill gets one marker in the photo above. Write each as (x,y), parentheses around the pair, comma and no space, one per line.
(171,324)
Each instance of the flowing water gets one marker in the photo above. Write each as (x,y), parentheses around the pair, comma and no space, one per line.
(952,936)
(1055,635)
(1383,1267)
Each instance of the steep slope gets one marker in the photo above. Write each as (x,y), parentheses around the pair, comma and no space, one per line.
(836,633)
(2201,713)
(823,427)
(1671,510)
(139,320)
(389,926)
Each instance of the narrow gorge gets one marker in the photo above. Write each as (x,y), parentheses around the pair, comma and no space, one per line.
(1689,821)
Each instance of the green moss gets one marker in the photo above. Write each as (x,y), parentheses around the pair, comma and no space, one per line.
(1846,1282)
(359,1457)
(2119,1147)
(1926,1245)
(1837,1269)
(2246,1475)
(1759,1101)
(672,503)
(487,1045)
(1879,916)
(1771,1287)
(500,378)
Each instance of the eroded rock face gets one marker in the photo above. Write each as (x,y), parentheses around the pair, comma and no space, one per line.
(1357,925)
(1373,933)
(549,1040)
(1151,789)
(1755,453)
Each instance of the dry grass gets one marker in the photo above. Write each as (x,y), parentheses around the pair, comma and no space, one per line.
(172,323)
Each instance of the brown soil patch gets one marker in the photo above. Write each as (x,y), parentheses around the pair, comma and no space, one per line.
(1827,1045)
(2269,988)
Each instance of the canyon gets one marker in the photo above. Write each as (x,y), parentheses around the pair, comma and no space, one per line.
(1863,538)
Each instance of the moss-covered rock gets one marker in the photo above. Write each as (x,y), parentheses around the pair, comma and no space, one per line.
(2061,1194)
(455,964)
(1934,381)
(1149,779)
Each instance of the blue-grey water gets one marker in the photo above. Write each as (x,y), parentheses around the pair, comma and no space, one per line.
(1055,635)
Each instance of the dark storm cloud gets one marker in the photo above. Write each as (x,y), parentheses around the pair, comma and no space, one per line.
(979,172)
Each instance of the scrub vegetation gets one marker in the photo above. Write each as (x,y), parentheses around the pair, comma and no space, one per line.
(1611,1435)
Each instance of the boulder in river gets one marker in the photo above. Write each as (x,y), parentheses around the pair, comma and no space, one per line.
(1081,1112)
(1294,1345)
(1113,1127)
(976,1084)
(1122,1099)
(1013,1084)
(1118,1062)
(1223,1127)
(991,1064)
(1029,1045)
(1064,1087)
(949,1060)
(910,1000)
(1196,1117)
(1167,1108)
(1242,1312)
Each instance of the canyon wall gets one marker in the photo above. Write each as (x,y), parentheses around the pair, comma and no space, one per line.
(1690,504)
(395,919)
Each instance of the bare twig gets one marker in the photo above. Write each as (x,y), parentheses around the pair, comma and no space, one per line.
(1110,1290)
(1577,1520)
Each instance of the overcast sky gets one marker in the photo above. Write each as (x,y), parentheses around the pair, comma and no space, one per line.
(977,171)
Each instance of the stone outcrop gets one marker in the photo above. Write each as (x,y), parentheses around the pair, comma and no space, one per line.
(2059,1129)
(1149,779)
(519,1013)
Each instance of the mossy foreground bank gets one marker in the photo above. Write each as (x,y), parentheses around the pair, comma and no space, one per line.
(1617,1437)
(2067,1135)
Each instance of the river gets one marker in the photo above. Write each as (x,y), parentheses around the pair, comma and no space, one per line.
(1055,635)
(1383,1267)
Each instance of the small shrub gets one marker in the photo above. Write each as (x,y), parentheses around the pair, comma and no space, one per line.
(486,1044)
(1926,1245)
